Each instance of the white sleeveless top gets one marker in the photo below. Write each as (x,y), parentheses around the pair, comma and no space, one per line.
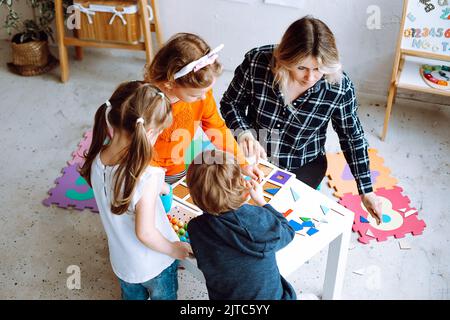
(131,260)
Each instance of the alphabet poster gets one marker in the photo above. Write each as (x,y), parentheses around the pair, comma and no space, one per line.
(427,26)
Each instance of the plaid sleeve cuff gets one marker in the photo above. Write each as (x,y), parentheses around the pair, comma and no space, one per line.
(364,184)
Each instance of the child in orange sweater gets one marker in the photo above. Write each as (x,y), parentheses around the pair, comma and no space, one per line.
(185,69)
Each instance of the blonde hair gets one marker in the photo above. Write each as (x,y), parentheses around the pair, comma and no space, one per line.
(303,38)
(129,102)
(179,51)
(215,182)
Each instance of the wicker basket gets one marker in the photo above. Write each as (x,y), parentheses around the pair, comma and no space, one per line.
(109,21)
(33,53)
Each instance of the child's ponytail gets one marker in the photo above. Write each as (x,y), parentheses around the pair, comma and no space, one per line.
(99,135)
(134,164)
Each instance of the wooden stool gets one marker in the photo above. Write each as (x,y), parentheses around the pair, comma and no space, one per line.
(63,41)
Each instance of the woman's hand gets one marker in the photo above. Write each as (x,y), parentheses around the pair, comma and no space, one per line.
(373,205)
(251,148)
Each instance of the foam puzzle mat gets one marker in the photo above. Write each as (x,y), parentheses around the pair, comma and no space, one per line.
(341,178)
(398,218)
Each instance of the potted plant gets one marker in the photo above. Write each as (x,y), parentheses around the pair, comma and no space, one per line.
(30,51)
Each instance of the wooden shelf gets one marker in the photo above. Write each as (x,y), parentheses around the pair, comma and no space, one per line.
(64,41)
(411,79)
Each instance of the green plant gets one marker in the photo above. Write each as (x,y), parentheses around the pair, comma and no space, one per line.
(39,28)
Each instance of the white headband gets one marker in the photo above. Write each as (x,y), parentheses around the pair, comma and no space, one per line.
(196,65)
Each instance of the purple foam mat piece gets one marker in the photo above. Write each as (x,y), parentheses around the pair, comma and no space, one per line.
(71,184)
(347,174)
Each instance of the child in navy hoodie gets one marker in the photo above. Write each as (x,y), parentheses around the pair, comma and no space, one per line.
(235,243)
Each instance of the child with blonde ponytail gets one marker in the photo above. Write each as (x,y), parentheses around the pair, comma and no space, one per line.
(143,247)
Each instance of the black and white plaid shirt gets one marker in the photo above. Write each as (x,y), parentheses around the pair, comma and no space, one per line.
(298,131)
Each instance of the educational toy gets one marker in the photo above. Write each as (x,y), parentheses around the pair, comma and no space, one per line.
(436,76)
(423,39)
(179,217)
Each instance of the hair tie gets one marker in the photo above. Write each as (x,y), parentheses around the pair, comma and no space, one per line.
(108,110)
(140,120)
(161,94)
(196,65)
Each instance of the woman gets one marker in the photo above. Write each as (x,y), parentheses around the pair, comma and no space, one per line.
(285,95)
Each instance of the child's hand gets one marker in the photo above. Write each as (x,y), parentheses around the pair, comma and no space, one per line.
(256,192)
(181,250)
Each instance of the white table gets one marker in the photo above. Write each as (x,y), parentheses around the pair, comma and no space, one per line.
(335,234)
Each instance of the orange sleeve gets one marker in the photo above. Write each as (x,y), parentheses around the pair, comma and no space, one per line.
(217,131)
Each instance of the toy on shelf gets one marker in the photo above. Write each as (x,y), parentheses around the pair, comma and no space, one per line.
(436,76)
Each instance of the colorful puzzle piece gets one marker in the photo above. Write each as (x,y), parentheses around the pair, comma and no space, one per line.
(312,231)
(288,213)
(280,177)
(295,225)
(324,209)
(395,222)
(342,181)
(308,224)
(294,194)
(363,220)
(72,191)
(272,191)
(271,188)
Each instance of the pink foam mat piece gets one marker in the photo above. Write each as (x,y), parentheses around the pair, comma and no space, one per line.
(395,223)
(83,146)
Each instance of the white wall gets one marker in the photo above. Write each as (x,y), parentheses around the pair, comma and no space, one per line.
(367,55)
(25,12)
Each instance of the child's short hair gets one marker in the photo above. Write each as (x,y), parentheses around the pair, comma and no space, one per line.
(177,52)
(215,182)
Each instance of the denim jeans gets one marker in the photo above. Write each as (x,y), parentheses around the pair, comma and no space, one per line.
(162,287)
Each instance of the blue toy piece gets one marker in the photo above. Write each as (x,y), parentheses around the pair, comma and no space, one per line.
(363,220)
(324,209)
(272,191)
(295,195)
(312,231)
(295,225)
(308,224)
(167,200)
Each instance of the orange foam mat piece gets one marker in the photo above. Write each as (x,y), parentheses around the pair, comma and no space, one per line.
(342,181)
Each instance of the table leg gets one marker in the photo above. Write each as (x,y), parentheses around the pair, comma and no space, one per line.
(335,272)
